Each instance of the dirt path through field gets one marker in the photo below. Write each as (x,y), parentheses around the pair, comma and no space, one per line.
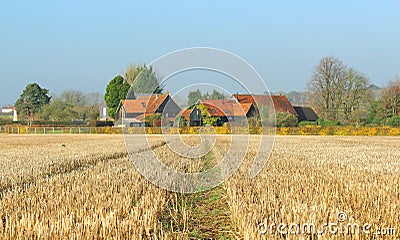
(202,215)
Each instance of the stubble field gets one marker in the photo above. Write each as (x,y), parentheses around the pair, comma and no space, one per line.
(84,186)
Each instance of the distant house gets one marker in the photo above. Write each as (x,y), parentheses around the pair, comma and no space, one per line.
(9,109)
(132,112)
(280,103)
(306,114)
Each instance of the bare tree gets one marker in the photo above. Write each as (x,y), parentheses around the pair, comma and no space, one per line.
(94,99)
(338,92)
(326,87)
(131,73)
(73,97)
(143,80)
(357,96)
(391,98)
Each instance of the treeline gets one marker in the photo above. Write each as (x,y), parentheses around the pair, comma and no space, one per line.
(344,95)
(71,106)
(194,96)
(36,106)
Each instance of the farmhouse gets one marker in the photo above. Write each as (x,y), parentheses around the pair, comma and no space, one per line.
(7,109)
(131,112)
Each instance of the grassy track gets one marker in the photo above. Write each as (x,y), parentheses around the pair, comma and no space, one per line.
(202,215)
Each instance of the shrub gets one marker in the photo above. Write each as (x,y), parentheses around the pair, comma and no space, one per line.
(326,123)
(254,122)
(285,119)
(180,121)
(307,123)
(104,123)
(394,121)
(153,120)
(206,118)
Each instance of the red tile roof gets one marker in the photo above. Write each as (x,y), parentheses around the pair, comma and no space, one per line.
(144,104)
(141,117)
(185,113)
(222,108)
(281,103)
(246,107)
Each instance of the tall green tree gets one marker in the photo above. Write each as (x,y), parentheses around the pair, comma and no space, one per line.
(376,113)
(215,95)
(117,90)
(144,80)
(193,97)
(31,101)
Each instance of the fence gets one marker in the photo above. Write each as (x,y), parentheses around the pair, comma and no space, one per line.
(304,130)
(57,130)
(118,130)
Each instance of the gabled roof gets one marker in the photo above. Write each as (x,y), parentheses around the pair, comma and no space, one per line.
(222,108)
(144,104)
(246,107)
(306,114)
(185,113)
(281,103)
(141,117)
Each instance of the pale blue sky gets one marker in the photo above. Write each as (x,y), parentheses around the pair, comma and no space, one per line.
(83,44)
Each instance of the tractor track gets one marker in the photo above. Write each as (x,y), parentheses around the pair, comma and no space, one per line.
(80,164)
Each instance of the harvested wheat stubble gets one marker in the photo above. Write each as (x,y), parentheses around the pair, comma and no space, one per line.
(102,198)
(90,189)
(312,179)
